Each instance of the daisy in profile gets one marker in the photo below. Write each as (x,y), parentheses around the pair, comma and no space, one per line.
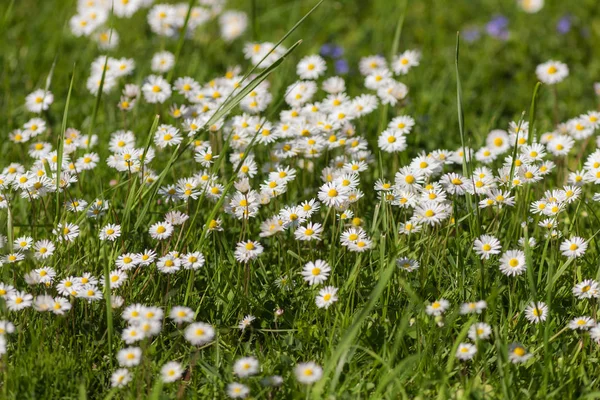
(512,263)
(246,321)
(536,312)
(466,351)
(552,72)
(308,372)
(326,297)
(246,366)
(480,331)
(517,353)
(438,307)
(171,371)
(316,272)
(248,250)
(587,289)
(199,333)
(581,323)
(473,307)
(311,67)
(407,264)
(486,246)
(573,247)
(237,390)
(110,232)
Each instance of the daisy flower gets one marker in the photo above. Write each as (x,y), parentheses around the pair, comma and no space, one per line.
(129,356)
(480,331)
(39,100)
(512,263)
(438,307)
(536,312)
(246,366)
(587,289)
(517,353)
(407,264)
(391,141)
(473,307)
(162,61)
(248,250)
(312,231)
(237,390)
(316,272)
(573,247)
(311,67)
(110,232)
(486,246)
(156,89)
(18,300)
(333,194)
(581,323)
(326,297)
(308,372)
(465,351)
(120,378)
(405,61)
(161,230)
(199,333)
(181,314)
(552,72)
(171,371)
(246,321)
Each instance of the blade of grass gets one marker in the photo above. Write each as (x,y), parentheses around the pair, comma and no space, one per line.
(532,112)
(60,147)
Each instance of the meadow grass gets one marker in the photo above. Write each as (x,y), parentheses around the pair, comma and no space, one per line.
(388,335)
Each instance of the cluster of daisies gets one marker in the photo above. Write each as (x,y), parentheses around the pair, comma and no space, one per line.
(314,136)
(92,19)
(145,322)
(522,161)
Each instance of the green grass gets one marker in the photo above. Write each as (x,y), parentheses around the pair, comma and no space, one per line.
(377,341)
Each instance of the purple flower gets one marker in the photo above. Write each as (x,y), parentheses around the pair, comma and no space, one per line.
(341,66)
(326,50)
(498,27)
(472,34)
(564,25)
(337,51)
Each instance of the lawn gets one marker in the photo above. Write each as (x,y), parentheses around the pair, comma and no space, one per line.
(299,199)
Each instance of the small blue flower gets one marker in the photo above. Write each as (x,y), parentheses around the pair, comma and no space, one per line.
(564,25)
(326,50)
(337,52)
(341,66)
(498,27)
